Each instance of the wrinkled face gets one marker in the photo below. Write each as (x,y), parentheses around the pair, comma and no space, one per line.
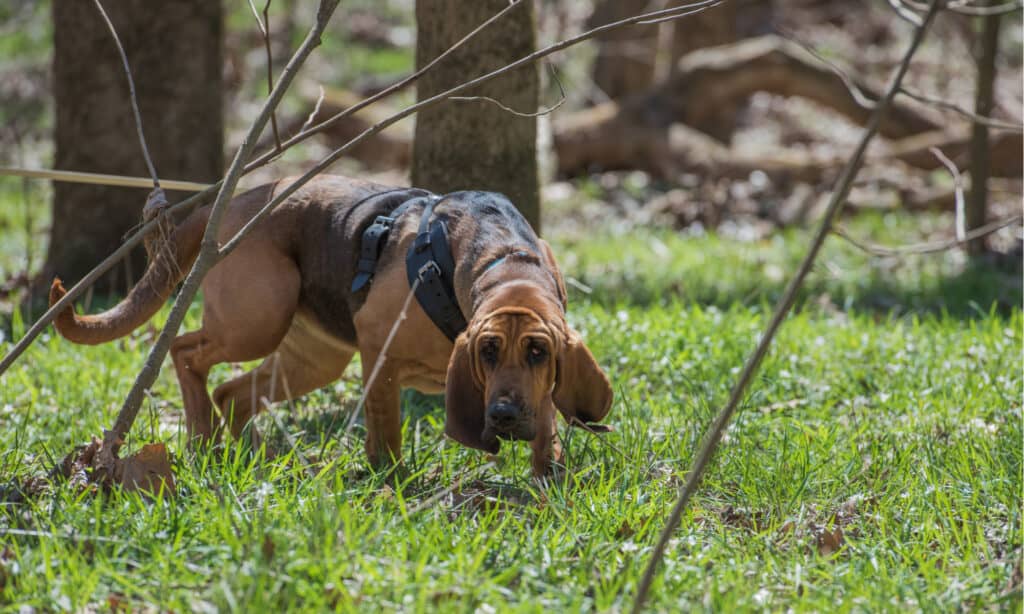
(513,354)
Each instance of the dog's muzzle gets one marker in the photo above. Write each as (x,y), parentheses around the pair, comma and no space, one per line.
(507,418)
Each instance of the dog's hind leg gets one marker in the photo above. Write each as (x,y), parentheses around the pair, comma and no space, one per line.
(193,355)
(300,365)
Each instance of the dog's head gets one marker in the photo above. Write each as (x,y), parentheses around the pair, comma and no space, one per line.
(517,355)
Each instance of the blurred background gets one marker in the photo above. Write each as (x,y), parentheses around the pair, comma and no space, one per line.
(680,142)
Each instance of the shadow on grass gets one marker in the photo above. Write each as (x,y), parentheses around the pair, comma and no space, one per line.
(890,287)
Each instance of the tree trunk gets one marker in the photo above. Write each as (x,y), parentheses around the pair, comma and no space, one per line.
(977,204)
(709,28)
(626,57)
(175,57)
(475,144)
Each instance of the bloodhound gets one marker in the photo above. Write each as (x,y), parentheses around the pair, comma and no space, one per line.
(286,295)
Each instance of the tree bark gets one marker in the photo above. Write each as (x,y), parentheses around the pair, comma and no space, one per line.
(174,51)
(462,145)
(710,28)
(626,57)
(977,204)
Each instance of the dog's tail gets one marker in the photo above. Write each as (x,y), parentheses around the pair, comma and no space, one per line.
(170,257)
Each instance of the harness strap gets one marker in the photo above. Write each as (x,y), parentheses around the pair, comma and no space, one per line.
(430,261)
(376,235)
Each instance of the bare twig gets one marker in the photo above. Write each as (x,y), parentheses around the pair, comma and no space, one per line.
(506,108)
(206,195)
(314,112)
(930,247)
(905,13)
(858,95)
(264,26)
(86,283)
(974,117)
(865,102)
(131,91)
(324,164)
(208,253)
(382,356)
(327,123)
(958,187)
(838,198)
(985,11)
(965,8)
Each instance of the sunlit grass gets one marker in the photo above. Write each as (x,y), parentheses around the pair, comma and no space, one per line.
(889,412)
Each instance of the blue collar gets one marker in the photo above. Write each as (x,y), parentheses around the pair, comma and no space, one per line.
(498,261)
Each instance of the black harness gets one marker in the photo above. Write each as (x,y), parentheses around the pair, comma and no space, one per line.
(428,263)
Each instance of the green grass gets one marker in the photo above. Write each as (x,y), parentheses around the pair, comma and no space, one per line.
(890,412)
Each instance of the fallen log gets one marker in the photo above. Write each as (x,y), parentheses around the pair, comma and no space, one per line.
(627,133)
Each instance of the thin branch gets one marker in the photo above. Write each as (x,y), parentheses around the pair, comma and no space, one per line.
(930,247)
(504,107)
(974,117)
(865,102)
(984,11)
(75,291)
(314,112)
(264,26)
(958,188)
(209,193)
(327,123)
(382,356)
(905,13)
(131,91)
(839,195)
(206,195)
(858,95)
(964,8)
(324,164)
(208,250)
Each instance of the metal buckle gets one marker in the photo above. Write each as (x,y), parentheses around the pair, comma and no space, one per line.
(429,266)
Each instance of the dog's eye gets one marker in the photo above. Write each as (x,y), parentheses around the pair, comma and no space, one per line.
(489,351)
(536,354)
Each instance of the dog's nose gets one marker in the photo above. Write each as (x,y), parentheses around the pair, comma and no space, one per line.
(503,413)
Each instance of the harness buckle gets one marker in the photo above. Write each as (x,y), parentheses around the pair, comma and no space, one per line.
(428,267)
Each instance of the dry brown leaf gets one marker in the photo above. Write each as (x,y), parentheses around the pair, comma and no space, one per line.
(7,560)
(829,542)
(268,548)
(625,531)
(149,469)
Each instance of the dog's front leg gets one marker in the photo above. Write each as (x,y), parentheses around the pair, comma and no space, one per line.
(547,449)
(383,412)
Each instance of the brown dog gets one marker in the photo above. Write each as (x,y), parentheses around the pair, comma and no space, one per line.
(284,295)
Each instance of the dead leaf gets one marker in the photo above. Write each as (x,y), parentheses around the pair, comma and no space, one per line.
(7,561)
(829,542)
(149,469)
(268,548)
(625,531)
(117,602)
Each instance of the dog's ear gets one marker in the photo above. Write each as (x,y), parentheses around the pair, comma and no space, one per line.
(549,260)
(464,399)
(582,390)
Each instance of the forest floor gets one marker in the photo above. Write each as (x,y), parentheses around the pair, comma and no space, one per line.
(876,464)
